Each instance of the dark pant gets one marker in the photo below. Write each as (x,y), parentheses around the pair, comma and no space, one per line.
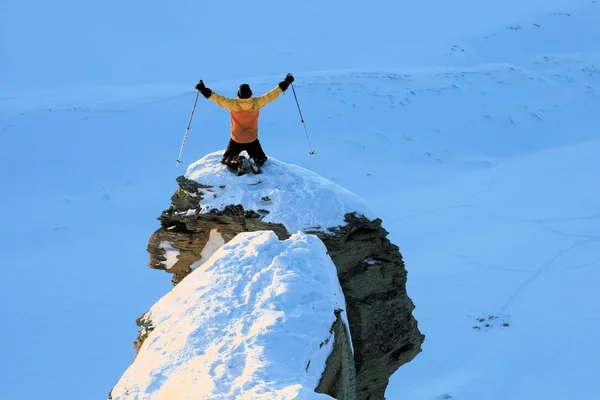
(232,158)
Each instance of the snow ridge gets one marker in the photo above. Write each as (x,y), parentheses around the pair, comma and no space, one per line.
(253,322)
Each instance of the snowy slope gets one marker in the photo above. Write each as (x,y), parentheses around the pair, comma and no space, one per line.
(252,323)
(521,243)
(71,43)
(85,172)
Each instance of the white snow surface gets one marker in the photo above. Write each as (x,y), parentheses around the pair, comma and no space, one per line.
(215,241)
(294,196)
(247,324)
(518,245)
(171,254)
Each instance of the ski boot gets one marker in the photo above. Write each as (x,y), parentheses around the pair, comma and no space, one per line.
(254,166)
(243,166)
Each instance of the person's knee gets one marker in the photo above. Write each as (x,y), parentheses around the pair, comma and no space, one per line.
(232,161)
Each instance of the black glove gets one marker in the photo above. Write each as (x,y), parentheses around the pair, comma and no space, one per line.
(286,82)
(206,92)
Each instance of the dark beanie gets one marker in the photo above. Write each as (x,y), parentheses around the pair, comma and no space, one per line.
(244,91)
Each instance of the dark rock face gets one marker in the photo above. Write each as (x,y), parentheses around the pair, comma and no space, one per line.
(370,268)
(145,324)
(373,277)
(339,378)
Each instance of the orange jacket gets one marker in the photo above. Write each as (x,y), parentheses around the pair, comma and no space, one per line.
(244,113)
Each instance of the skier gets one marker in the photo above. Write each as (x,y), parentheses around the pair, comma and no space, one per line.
(244,111)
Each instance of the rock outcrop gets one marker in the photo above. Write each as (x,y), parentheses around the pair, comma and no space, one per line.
(189,232)
(370,268)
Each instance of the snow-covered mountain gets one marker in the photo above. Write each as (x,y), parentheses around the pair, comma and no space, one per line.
(470,128)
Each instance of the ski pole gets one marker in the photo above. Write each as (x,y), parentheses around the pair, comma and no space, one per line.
(188,129)
(311,151)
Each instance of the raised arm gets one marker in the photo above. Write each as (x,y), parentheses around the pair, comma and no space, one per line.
(275,92)
(227,103)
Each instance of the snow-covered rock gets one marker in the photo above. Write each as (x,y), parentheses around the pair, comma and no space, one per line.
(284,198)
(212,206)
(255,321)
(293,196)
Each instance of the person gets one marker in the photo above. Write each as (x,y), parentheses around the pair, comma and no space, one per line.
(245,110)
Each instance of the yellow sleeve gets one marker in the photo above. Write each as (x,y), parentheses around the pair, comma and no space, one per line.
(229,104)
(268,97)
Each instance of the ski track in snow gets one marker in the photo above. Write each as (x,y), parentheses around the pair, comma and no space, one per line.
(543,268)
(543,223)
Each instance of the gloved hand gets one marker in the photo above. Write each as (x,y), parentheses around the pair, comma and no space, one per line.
(286,82)
(206,92)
